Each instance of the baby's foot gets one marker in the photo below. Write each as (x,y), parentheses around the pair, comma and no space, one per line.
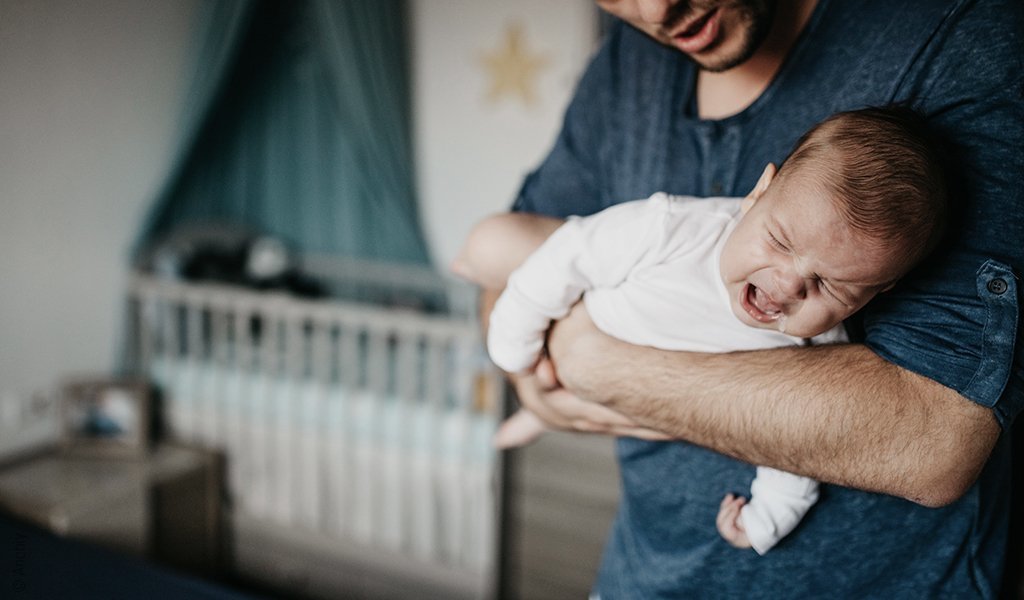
(729,524)
(520,429)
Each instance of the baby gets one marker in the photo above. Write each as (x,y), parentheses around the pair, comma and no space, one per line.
(860,201)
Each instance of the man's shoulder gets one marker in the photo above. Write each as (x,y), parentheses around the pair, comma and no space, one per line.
(937,21)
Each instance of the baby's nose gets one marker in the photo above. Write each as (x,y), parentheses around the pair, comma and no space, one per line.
(791,284)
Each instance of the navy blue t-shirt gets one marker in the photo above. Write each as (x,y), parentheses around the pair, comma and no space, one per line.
(631,131)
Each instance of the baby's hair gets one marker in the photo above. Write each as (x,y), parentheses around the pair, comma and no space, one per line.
(885,170)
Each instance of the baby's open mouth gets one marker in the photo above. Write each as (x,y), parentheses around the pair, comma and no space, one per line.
(759,305)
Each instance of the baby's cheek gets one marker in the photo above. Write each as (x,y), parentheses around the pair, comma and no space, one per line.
(819,321)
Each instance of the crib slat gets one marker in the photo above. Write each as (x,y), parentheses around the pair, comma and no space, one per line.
(216,423)
(435,520)
(461,389)
(406,373)
(240,400)
(374,397)
(169,311)
(263,433)
(193,361)
(347,367)
(283,416)
(143,316)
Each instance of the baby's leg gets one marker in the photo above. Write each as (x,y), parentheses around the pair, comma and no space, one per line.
(499,244)
(778,501)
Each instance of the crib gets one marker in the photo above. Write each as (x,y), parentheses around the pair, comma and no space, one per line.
(356,432)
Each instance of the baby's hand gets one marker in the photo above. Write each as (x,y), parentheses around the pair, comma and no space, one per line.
(728,521)
(520,429)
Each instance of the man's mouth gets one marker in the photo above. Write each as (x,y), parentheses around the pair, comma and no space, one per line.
(759,305)
(696,35)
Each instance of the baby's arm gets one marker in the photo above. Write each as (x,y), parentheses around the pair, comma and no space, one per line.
(585,253)
(778,501)
(499,244)
(494,248)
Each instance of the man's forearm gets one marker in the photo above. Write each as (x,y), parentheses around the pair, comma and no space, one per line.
(839,414)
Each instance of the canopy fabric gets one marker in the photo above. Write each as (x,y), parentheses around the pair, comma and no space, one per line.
(298,126)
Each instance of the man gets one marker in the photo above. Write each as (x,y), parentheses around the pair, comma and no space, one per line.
(918,412)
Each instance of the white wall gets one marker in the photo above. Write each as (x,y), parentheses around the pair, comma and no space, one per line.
(89,97)
(471,155)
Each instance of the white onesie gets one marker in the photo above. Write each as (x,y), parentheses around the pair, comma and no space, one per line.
(648,273)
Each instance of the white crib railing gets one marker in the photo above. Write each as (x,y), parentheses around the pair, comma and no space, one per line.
(358,423)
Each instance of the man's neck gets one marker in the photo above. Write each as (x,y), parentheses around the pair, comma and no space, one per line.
(724,94)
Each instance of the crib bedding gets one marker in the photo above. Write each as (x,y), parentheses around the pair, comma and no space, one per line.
(378,469)
(368,426)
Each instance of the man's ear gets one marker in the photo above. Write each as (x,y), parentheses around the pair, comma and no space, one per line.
(762,186)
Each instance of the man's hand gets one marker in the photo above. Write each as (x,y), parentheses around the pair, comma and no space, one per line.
(542,394)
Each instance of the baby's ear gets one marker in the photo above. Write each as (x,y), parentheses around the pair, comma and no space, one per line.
(760,188)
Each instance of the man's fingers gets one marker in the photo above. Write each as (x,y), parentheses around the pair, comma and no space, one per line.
(531,398)
(585,416)
(558,408)
(640,433)
(518,430)
(545,373)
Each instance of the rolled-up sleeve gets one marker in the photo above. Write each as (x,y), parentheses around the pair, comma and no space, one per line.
(956,319)
(957,324)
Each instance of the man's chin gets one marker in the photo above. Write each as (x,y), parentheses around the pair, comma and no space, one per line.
(718,65)
(719,58)
(728,53)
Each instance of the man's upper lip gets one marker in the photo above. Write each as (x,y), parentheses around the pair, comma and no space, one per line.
(684,27)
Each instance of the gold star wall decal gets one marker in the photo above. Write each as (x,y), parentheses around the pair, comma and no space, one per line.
(513,69)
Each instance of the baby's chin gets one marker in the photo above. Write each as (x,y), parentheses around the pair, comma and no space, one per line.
(750,321)
(802,330)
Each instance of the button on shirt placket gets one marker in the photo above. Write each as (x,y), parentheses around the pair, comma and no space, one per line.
(721,145)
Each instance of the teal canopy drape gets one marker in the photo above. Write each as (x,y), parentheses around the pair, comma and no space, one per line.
(298,125)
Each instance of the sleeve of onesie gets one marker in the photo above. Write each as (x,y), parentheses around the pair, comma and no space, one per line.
(778,501)
(583,254)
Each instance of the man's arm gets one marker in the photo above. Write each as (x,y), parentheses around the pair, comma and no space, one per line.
(837,413)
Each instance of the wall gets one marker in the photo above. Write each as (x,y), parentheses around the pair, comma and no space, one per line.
(88,102)
(471,152)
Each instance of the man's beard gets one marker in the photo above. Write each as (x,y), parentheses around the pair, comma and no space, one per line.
(756,17)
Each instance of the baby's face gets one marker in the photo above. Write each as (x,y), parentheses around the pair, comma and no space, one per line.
(793,265)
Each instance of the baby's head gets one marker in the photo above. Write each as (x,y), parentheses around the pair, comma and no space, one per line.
(859,202)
